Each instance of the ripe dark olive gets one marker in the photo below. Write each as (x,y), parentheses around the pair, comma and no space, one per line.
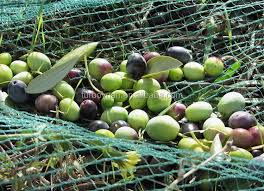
(136,65)
(180,53)
(88,109)
(16,91)
(177,111)
(74,73)
(45,103)
(117,124)
(258,134)
(242,119)
(242,138)
(98,124)
(148,55)
(186,128)
(256,152)
(74,76)
(84,94)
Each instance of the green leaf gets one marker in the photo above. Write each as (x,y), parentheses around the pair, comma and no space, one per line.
(217,147)
(50,78)
(160,64)
(209,93)
(230,72)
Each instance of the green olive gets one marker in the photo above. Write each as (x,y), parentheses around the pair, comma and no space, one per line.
(70,109)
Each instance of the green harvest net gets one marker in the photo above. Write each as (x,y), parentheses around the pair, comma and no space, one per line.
(41,153)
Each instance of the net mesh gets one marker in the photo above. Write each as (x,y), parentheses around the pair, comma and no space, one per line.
(41,153)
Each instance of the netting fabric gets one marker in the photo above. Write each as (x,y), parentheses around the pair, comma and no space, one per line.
(41,153)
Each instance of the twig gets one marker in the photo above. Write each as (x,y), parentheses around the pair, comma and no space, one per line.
(28,152)
(256,147)
(173,185)
(199,142)
(167,109)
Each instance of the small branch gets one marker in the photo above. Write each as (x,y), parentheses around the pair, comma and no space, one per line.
(174,184)
(182,135)
(35,149)
(199,142)
(256,147)
(166,109)
(126,107)
(22,135)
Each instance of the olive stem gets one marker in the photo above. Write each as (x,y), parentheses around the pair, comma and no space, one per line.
(5,82)
(37,72)
(89,77)
(126,107)
(23,57)
(126,90)
(256,147)
(166,109)
(77,86)
(165,86)
(173,185)
(182,135)
(129,79)
(199,142)
(3,137)
(57,112)
(206,141)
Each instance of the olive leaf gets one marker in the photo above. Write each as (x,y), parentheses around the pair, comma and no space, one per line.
(160,64)
(50,78)
(229,72)
(217,147)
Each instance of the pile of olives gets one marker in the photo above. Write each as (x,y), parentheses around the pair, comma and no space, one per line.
(124,104)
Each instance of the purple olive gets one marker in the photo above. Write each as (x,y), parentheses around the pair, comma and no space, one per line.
(88,109)
(84,94)
(186,128)
(242,138)
(242,119)
(136,65)
(16,91)
(257,133)
(177,111)
(256,152)
(45,103)
(74,76)
(180,53)
(117,124)
(97,124)
(148,55)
